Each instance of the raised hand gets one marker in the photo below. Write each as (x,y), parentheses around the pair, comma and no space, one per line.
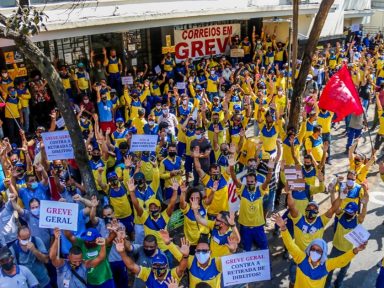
(175,184)
(164,234)
(119,245)
(195,204)
(172,283)
(231,219)
(183,188)
(279,221)
(56,233)
(128,161)
(131,185)
(184,248)
(100,241)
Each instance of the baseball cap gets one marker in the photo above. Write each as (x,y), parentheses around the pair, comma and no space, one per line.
(160,259)
(139,176)
(91,234)
(351,208)
(80,65)
(119,119)
(153,201)
(198,87)
(113,90)
(111,175)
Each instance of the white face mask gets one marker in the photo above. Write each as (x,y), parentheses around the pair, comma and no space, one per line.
(165,111)
(315,256)
(350,183)
(280,93)
(203,258)
(212,72)
(86,101)
(151,123)
(198,137)
(25,242)
(185,102)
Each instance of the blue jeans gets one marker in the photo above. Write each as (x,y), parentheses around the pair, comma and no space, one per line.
(380,279)
(250,235)
(292,272)
(26,113)
(120,274)
(115,82)
(327,138)
(352,135)
(343,271)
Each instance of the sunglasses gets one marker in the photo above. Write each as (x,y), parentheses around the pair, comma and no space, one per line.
(202,250)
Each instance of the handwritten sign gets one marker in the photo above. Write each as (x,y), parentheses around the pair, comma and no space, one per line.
(143,143)
(157,69)
(180,85)
(128,80)
(58,145)
(58,214)
(235,53)
(357,236)
(246,267)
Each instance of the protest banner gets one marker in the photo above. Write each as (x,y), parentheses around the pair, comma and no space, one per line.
(143,143)
(128,80)
(357,236)
(238,52)
(180,85)
(62,215)
(246,267)
(58,145)
(203,41)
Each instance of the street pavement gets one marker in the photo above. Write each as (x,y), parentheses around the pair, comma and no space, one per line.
(363,270)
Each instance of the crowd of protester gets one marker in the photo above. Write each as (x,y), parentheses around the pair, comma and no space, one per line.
(230,120)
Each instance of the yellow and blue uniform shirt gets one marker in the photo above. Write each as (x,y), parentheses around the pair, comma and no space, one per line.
(211,274)
(220,198)
(251,212)
(342,227)
(192,229)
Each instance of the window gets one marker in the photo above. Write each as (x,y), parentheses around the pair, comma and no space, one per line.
(7,3)
(51,1)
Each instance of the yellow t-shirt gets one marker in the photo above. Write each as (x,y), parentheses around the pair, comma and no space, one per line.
(193,230)
(251,212)
(220,198)
(152,226)
(211,274)
(13,107)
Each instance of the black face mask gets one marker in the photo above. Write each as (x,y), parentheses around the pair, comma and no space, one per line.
(215,177)
(307,167)
(155,213)
(348,216)
(251,187)
(139,183)
(107,220)
(96,157)
(172,154)
(7,266)
(225,152)
(149,252)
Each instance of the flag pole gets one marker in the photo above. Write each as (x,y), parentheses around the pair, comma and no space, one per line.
(10,112)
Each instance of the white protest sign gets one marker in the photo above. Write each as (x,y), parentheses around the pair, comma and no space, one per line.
(129,80)
(357,236)
(246,267)
(124,80)
(58,214)
(143,143)
(58,145)
(157,69)
(60,123)
(180,85)
(203,41)
(355,27)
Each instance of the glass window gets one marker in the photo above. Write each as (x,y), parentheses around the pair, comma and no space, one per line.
(47,1)
(7,3)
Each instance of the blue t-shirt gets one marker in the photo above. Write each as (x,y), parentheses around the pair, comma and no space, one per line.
(105,110)
(41,193)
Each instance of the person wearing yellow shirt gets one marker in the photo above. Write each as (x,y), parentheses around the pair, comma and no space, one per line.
(268,132)
(222,228)
(65,77)
(307,227)
(119,135)
(212,83)
(380,134)
(169,65)
(139,121)
(324,119)
(12,112)
(359,164)
(291,142)
(114,69)
(82,80)
(346,220)
(215,124)
(159,273)
(313,264)
(220,198)
(314,145)
(251,215)
(351,191)
(24,96)
(153,219)
(171,168)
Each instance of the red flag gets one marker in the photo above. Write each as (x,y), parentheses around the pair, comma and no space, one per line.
(340,95)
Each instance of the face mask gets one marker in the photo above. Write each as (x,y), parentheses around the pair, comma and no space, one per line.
(251,187)
(191,127)
(172,154)
(198,137)
(158,107)
(307,166)
(280,93)
(310,214)
(149,252)
(13,93)
(7,266)
(104,99)
(349,216)
(86,101)
(24,242)
(5,75)
(215,121)
(212,72)
(202,258)
(350,182)
(83,120)
(225,152)
(96,157)
(159,272)
(151,123)
(115,182)
(35,211)
(315,256)
(34,185)
(185,102)
(216,177)
(165,111)
(155,213)
(120,125)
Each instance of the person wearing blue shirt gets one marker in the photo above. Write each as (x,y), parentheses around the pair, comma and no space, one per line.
(151,127)
(106,110)
(35,189)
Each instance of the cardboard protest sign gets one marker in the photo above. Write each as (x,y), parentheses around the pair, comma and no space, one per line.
(58,145)
(246,267)
(143,143)
(62,215)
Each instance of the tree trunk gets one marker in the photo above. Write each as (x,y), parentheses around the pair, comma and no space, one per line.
(295,31)
(43,64)
(299,84)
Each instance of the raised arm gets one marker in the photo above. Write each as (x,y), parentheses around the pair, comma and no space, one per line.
(53,252)
(291,202)
(131,265)
(196,162)
(172,201)
(195,207)
(131,188)
(102,254)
